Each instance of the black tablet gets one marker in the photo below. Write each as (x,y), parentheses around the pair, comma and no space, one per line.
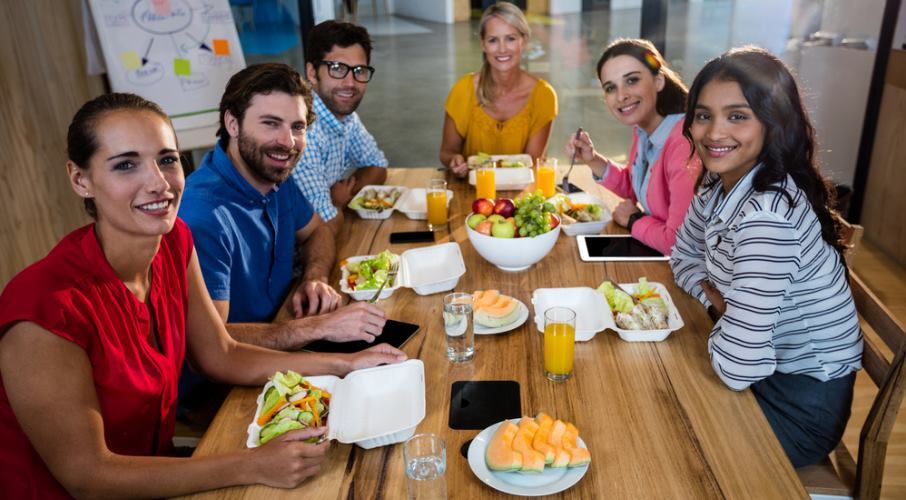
(395,333)
(606,247)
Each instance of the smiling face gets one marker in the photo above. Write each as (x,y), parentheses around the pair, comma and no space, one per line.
(135,176)
(269,140)
(727,135)
(630,91)
(502,44)
(341,96)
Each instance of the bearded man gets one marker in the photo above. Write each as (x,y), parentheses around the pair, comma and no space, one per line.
(341,157)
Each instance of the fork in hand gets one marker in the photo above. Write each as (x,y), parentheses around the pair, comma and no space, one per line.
(391,274)
(572,161)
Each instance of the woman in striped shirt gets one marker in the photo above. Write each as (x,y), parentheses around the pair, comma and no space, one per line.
(760,248)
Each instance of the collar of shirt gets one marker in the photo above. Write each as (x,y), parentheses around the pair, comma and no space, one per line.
(726,206)
(221,163)
(648,149)
(327,119)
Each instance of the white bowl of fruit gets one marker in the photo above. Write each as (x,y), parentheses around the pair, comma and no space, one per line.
(513,234)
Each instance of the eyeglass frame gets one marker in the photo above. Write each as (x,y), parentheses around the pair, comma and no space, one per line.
(348,68)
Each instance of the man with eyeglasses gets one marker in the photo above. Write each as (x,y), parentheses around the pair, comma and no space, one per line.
(337,65)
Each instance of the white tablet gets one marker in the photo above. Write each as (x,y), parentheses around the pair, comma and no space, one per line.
(607,247)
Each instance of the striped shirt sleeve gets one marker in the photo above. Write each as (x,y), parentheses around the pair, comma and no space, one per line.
(687,259)
(765,264)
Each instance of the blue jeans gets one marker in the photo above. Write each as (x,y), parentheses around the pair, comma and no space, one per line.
(808,416)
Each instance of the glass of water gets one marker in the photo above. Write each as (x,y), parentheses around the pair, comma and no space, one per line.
(425,456)
(458,327)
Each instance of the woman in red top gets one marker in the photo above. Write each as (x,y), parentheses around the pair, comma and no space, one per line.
(92,337)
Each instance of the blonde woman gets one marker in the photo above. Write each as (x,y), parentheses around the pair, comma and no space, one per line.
(502,109)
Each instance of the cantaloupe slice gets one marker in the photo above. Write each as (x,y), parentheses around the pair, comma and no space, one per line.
(484,298)
(561,459)
(556,436)
(540,444)
(500,455)
(577,456)
(532,461)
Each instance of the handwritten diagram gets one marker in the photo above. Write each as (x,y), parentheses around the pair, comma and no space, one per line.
(178,53)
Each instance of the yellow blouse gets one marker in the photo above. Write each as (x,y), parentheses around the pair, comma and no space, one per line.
(485,134)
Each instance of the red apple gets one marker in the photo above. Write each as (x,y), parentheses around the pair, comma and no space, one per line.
(505,207)
(484,227)
(483,206)
(555,221)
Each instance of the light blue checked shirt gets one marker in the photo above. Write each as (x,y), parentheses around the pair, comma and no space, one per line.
(333,148)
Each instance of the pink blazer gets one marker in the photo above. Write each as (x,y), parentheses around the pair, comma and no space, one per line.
(670,189)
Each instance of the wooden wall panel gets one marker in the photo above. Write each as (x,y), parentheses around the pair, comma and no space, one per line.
(885,203)
(42,83)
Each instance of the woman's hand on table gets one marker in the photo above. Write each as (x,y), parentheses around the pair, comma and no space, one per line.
(288,460)
(622,212)
(320,298)
(459,166)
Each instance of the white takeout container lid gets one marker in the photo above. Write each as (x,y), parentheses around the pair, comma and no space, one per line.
(577,228)
(427,270)
(371,407)
(374,214)
(414,205)
(589,305)
(510,179)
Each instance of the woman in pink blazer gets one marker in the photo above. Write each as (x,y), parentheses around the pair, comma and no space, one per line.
(658,181)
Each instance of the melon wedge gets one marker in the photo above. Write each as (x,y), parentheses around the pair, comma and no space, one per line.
(540,444)
(500,455)
(577,456)
(492,309)
(532,461)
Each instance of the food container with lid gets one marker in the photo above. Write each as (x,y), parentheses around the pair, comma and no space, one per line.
(427,270)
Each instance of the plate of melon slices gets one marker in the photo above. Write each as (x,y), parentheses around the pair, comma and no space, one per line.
(494,312)
(530,456)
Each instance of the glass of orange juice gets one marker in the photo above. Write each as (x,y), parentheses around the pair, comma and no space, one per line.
(436,199)
(545,176)
(559,342)
(484,181)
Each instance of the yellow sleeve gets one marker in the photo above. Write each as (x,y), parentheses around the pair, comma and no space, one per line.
(458,103)
(545,107)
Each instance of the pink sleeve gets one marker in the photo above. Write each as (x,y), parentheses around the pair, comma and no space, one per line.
(617,179)
(682,173)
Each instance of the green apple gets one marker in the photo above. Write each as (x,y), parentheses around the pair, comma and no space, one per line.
(503,229)
(496,217)
(474,219)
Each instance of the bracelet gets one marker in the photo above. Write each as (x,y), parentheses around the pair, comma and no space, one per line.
(632,218)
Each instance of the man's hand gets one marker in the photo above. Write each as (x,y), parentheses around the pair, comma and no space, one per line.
(320,298)
(341,192)
(458,166)
(717,300)
(381,354)
(623,211)
(359,321)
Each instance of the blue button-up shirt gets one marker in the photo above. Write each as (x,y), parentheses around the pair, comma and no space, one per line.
(333,148)
(648,150)
(244,239)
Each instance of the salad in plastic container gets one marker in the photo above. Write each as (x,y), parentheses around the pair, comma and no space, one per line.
(370,273)
(291,402)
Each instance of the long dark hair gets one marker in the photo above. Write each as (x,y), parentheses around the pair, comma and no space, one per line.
(81,138)
(789,137)
(672,98)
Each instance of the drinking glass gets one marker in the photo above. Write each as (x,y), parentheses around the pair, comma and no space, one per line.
(484,181)
(436,199)
(559,342)
(458,327)
(545,176)
(425,457)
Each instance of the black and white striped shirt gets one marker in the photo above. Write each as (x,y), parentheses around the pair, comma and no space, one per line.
(789,306)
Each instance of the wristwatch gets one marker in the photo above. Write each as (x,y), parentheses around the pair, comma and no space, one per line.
(632,218)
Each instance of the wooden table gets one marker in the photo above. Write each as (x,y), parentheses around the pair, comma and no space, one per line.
(657,420)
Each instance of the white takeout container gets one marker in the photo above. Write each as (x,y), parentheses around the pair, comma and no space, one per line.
(593,315)
(427,270)
(584,227)
(374,214)
(589,305)
(510,179)
(414,205)
(526,160)
(370,407)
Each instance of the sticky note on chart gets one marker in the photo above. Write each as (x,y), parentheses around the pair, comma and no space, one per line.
(131,60)
(182,67)
(221,47)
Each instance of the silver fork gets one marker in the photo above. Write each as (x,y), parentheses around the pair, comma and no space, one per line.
(565,184)
(391,274)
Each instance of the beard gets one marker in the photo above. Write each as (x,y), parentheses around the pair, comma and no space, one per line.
(341,108)
(254,156)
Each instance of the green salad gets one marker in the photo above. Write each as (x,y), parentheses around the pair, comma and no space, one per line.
(370,274)
(650,313)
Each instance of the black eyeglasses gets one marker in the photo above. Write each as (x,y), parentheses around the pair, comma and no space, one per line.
(338,70)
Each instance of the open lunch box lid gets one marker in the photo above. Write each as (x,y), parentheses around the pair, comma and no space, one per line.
(427,270)
(370,407)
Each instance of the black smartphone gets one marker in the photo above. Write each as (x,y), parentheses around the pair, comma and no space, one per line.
(412,237)
(480,403)
(573,188)
(395,333)
(606,247)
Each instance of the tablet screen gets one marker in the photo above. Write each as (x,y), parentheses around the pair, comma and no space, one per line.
(395,333)
(615,247)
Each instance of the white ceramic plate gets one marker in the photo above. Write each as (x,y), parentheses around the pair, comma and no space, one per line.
(516,483)
(520,319)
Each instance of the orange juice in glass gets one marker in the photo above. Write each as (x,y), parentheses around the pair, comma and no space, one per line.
(436,200)
(559,343)
(485,186)
(545,176)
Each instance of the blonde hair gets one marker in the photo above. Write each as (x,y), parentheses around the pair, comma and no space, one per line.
(511,15)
